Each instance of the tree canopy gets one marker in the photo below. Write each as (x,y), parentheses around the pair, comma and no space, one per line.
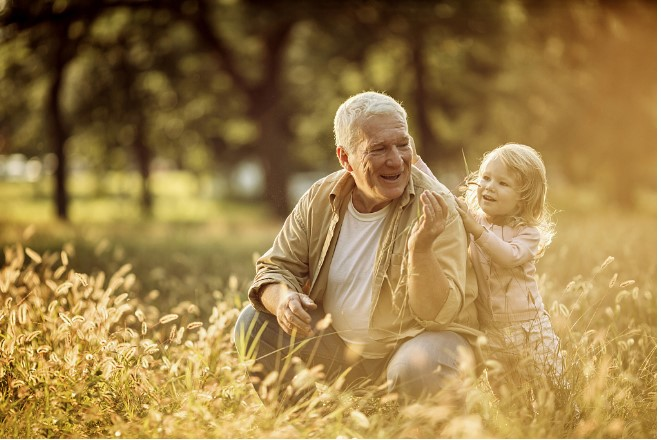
(207,83)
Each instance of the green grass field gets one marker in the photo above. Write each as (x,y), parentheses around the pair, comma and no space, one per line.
(113,328)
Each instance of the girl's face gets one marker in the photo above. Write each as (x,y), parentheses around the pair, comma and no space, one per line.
(498,192)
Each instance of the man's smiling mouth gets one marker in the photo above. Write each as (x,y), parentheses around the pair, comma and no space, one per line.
(391,177)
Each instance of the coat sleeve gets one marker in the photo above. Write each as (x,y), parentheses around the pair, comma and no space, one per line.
(450,249)
(521,249)
(287,261)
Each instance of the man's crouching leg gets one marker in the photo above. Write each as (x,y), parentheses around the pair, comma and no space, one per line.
(427,364)
(273,357)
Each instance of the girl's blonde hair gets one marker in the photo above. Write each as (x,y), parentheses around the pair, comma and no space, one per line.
(530,173)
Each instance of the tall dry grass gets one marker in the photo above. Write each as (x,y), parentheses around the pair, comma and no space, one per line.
(89,355)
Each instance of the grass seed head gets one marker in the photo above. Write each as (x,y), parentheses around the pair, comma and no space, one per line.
(168,318)
(606,262)
(33,255)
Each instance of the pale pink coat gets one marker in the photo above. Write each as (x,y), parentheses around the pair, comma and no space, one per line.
(504,262)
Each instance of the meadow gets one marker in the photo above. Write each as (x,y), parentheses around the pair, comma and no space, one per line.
(118,327)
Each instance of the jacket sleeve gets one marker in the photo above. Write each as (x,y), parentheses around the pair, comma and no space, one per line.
(287,261)
(520,250)
(451,250)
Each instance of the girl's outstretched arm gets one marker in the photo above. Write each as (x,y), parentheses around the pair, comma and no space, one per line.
(521,249)
(418,162)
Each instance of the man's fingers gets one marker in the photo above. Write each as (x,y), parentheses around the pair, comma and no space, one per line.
(438,203)
(427,211)
(292,315)
(307,302)
(442,203)
(434,206)
(296,322)
(295,317)
(291,322)
(297,310)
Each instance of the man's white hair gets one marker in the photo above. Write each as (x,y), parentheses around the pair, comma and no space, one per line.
(353,112)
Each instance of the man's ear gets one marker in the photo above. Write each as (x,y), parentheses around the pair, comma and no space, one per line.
(343,157)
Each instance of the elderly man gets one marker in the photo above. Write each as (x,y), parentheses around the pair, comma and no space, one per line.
(380,247)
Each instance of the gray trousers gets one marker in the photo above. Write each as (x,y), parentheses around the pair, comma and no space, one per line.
(418,366)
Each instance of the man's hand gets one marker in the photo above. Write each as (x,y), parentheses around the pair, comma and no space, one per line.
(471,225)
(431,224)
(290,308)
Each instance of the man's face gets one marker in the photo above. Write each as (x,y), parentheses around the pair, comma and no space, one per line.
(381,162)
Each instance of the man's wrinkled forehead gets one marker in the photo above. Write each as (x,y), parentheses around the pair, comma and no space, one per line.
(396,131)
(397,120)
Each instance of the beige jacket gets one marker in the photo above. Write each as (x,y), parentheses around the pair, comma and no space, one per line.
(302,252)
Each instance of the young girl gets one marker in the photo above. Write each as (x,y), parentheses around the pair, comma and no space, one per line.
(505,212)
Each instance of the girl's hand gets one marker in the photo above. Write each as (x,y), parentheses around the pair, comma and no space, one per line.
(412,144)
(415,159)
(431,224)
(471,225)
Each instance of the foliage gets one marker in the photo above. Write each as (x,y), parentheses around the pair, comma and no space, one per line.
(92,354)
(205,83)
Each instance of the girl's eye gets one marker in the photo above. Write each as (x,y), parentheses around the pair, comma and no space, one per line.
(504,183)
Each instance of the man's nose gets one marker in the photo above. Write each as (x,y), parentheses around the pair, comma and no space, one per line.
(394,156)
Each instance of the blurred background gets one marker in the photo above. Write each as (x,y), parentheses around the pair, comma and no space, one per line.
(149,130)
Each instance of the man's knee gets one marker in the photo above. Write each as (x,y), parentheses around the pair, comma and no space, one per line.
(419,375)
(426,364)
(246,329)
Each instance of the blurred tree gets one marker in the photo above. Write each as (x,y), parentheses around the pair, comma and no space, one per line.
(578,83)
(123,81)
(56,36)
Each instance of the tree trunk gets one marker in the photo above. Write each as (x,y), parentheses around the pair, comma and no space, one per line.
(56,126)
(273,146)
(427,142)
(273,119)
(143,156)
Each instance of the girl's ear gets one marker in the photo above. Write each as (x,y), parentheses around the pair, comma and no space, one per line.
(343,157)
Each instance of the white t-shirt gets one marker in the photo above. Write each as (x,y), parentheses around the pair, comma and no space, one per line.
(348,295)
